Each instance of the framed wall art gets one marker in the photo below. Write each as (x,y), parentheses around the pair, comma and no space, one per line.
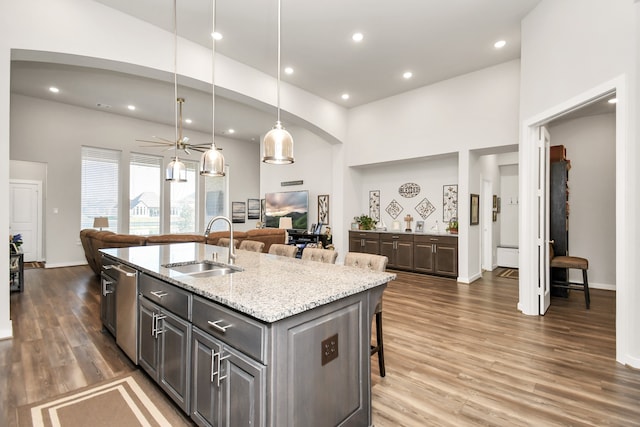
(475,209)
(237,212)
(323,209)
(449,202)
(374,205)
(253,208)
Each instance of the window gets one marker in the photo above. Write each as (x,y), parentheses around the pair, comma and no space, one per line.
(216,199)
(145,185)
(183,201)
(99,194)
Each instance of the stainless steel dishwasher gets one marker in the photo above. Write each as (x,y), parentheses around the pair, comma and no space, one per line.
(125,285)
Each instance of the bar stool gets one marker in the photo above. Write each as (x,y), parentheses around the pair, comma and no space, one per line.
(225,241)
(571,262)
(320,255)
(251,245)
(377,263)
(283,250)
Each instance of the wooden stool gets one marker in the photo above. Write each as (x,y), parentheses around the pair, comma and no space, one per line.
(571,262)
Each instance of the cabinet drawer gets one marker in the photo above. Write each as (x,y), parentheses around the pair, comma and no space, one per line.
(448,240)
(236,330)
(397,237)
(166,295)
(362,235)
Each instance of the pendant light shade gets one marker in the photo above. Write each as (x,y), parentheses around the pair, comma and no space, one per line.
(176,170)
(278,143)
(278,146)
(212,160)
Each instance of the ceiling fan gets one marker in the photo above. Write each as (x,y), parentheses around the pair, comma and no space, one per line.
(183,141)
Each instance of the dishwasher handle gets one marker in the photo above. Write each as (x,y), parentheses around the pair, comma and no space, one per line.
(118,268)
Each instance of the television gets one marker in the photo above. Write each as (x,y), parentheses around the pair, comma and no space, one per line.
(294,204)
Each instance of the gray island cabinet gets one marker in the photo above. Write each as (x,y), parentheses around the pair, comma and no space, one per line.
(283,342)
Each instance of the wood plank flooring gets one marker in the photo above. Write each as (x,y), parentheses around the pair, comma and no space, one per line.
(456,355)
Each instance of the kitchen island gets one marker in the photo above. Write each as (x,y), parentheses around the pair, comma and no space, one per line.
(279,342)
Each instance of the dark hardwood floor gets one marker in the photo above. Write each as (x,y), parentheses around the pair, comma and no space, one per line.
(455,354)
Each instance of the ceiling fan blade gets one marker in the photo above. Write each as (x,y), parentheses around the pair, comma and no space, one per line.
(197,149)
(187,151)
(154,142)
(165,140)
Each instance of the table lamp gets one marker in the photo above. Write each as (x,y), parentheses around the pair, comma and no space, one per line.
(286,223)
(100,222)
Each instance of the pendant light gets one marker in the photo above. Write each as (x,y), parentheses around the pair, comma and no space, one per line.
(176,170)
(212,160)
(278,143)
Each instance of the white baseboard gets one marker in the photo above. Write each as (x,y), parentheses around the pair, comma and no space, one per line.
(469,280)
(7,334)
(65,264)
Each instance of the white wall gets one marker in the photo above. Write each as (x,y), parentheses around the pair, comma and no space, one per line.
(314,160)
(590,145)
(472,111)
(430,174)
(508,216)
(570,48)
(52,133)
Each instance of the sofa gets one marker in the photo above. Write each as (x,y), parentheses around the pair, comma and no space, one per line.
(93,240)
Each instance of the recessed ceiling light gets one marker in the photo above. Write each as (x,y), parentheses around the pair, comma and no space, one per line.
(231,131)
(288,70)
(500,44)
(613,101)
(131,107)
(407,74)
(345,96)
(188,121)
(216,35)
(357,37)
(54,89)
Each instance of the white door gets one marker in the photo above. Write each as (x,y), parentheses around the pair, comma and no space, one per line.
(544,286)
(25,216)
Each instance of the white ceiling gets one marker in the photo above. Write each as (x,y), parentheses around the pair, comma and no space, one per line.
(434,39)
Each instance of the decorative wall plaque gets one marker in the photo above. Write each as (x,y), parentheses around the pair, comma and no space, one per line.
(449,202)
(408,190)
(394,209)
(374,205)
(425,208)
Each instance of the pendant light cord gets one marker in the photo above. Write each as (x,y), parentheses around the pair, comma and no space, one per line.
(175,72)
(278,80)
(213,76)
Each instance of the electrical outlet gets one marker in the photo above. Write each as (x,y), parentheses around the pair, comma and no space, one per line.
(329,349)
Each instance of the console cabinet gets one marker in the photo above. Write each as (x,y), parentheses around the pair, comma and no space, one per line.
(422,253)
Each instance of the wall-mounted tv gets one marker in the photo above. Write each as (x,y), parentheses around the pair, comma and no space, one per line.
(294,204)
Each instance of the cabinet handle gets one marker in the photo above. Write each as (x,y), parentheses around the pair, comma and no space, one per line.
(434,248)
(219,359)
(362,243)
(213,361)
(217,325)
(105,291)
(155,330)
(159,294)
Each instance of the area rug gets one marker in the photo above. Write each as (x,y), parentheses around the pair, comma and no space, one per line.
(509,273)
(130,400)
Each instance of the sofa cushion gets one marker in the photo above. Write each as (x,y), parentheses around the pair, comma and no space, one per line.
(175,238)
(267,235)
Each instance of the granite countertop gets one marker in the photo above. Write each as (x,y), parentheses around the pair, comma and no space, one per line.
(269,288)
(427,232)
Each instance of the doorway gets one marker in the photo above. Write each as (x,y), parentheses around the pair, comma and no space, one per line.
(25,216)
(624,200)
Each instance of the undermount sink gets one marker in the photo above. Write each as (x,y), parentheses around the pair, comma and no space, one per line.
(202,268)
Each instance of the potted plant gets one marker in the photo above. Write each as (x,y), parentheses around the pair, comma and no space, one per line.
(453,226)
(365,222)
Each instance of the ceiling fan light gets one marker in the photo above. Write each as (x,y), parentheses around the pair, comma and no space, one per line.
(278,146)
(176,171)
(212,162)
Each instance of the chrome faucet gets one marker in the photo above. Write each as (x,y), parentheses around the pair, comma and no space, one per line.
(232,248)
